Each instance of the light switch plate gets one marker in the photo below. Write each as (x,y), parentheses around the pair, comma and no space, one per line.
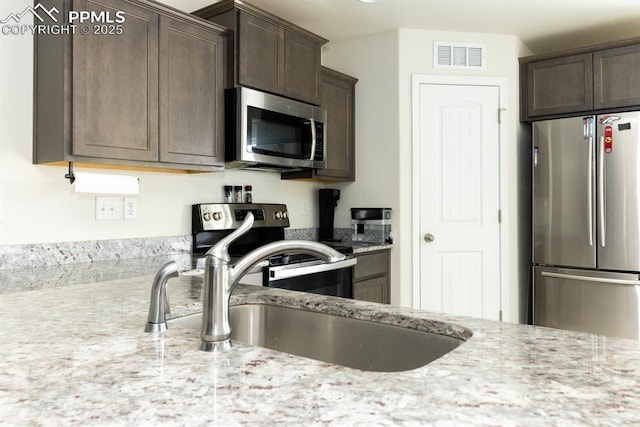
(108,208)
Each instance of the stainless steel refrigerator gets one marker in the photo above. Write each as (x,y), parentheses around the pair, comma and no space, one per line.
(586,224)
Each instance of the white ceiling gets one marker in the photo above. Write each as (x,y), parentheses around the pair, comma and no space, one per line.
(543,25)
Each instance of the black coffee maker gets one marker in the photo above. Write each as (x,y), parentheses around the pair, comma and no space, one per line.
(327,202)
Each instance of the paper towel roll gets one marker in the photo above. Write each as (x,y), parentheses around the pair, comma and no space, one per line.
(86,182)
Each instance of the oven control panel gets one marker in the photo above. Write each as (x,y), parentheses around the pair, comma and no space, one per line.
(228,216)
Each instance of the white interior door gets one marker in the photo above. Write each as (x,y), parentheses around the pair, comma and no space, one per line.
(460,199)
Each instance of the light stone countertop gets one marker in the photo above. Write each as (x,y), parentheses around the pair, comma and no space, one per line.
(359,248)
(76,354)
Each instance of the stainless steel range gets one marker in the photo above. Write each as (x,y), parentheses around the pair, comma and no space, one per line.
(300,272)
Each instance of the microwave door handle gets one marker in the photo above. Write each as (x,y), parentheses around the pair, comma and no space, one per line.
(313,139)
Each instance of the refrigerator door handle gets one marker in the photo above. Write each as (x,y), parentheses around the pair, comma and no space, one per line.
(590,190)
(601,196)
(590,278)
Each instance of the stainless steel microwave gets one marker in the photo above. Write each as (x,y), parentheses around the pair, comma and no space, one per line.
(266,131)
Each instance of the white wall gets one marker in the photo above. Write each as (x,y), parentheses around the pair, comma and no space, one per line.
(384,63)
(374,61)
(37,204)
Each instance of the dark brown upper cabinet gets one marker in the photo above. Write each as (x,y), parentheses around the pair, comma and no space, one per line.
(582,81)
(150,96)
(616,75)
(115,86)
(269,53)
(559,85)
(337,96)
(191,94)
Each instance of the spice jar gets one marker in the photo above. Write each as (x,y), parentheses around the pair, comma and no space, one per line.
(228,198)
(248,197)
(237,194)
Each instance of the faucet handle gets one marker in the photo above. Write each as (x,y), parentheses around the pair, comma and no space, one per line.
(221,249)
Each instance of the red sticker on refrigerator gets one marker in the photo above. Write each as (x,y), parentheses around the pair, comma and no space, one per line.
(608,139)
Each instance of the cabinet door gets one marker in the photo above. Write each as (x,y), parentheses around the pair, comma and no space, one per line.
(260,53)
(616,74)
(559,85)
(371,277)
(372,290)
(301,68)
(337,96)
(191,94)
(115,86)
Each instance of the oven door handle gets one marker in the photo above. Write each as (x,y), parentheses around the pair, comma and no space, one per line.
(310,269)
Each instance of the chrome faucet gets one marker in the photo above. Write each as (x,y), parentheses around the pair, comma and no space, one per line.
(159,305)
(220,278)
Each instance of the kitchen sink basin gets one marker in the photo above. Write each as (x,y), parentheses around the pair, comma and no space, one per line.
(354,343)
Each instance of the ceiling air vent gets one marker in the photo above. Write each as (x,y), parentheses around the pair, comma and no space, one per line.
(458,55)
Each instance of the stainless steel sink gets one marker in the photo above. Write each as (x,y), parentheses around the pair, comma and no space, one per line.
(354,343)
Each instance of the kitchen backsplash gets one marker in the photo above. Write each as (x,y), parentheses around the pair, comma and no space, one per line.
(342,234)
(47,254)
(52,254)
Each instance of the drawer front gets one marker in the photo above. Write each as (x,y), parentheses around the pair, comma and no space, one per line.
(371,264)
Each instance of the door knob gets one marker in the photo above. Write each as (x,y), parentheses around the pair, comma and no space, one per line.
(429,238)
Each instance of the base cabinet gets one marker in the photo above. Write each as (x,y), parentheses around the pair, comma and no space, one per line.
(371,277)
(151,95)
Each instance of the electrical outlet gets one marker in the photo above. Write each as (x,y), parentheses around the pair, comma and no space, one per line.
(108,208)
(305,207)
(130,208)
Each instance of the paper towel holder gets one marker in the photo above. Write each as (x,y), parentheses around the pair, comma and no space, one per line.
(70,176)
